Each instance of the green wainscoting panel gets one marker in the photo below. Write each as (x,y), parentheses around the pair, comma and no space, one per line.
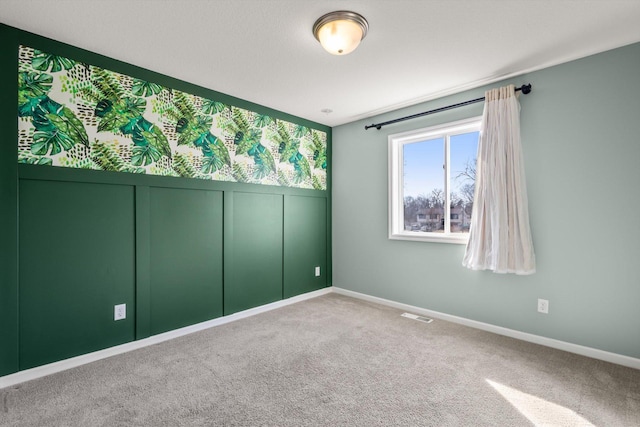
(305,244)
(76,261)
(185,257)
(254,260)
(8,204)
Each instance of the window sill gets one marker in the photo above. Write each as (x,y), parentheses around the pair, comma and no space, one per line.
(417,236)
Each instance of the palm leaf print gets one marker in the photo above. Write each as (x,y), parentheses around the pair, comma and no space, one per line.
(33,85)
(120,112)
(212,107)
(131,124)
(56,126)
(289,151)
(261,120)
(194,128)
(43,61)
(144,88)
(319,152)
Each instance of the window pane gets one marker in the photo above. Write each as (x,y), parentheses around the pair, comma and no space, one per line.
(423,185)
(463,151)
(426,201)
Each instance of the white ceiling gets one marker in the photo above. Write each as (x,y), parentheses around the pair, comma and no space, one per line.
(263,51)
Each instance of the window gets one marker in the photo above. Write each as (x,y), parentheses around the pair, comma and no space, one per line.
(432,182)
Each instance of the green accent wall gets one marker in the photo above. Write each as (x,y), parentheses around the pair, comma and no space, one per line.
(8,204)
(175,250)
(581,142)
(76,262)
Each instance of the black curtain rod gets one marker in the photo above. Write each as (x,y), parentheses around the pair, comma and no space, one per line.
(524,88)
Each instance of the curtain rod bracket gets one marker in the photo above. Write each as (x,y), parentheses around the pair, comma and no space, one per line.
(526,88)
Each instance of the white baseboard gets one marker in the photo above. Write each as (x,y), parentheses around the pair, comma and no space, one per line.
(52,368)
(524,336)
(41,371)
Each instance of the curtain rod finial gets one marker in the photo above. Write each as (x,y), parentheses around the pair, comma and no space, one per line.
(526,88)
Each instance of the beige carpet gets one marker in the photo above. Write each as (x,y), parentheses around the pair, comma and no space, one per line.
(333,361)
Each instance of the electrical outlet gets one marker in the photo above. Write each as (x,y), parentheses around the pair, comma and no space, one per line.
(317,271)
(120,312)
(543,306)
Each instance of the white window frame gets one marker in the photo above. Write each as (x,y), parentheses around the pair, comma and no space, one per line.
(396,174)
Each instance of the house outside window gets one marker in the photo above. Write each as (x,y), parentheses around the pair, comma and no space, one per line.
(432,182)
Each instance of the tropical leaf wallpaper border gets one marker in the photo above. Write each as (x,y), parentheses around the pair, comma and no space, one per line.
(75,115)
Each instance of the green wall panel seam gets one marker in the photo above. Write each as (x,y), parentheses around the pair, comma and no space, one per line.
(227,251)
(283,236)
(142,263)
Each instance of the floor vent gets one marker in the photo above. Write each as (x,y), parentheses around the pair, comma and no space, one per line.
(416,317)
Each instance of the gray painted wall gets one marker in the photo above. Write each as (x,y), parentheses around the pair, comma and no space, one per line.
(581,141)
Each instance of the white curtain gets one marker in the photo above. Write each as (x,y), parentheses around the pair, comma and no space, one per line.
(500,236)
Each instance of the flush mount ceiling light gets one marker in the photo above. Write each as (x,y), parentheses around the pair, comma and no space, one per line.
(340,32)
